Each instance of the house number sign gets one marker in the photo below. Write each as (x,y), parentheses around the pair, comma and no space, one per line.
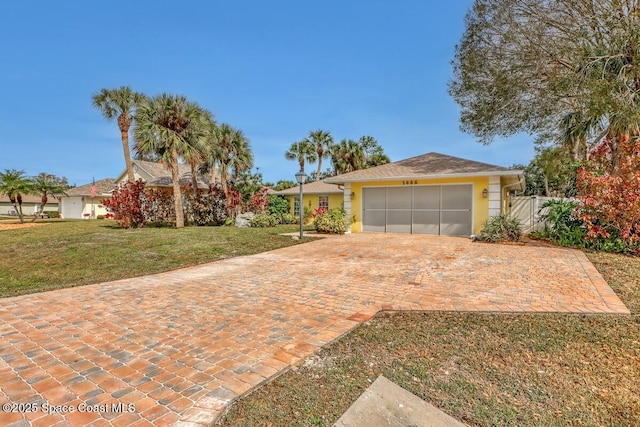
(410,182)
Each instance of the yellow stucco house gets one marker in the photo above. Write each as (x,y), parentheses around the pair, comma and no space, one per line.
(428,194)
(315,194)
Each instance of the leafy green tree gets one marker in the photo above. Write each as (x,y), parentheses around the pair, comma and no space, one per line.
(247,184)
(172,126)
(562,70)
(47,185)
(373,153)
(322,141)
(120,104)
(14,184)
(283,184)
(302,151)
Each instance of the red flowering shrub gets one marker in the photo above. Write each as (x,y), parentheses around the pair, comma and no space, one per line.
(319,211)
(234,202)
(126,204)
(259,201)
(609,188)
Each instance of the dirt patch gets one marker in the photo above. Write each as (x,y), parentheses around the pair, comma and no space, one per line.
(26,225)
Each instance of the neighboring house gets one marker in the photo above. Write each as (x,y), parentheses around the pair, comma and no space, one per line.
(81,204)
(316,194)
(30,205)
(157,175)
(428,194)
(84,203)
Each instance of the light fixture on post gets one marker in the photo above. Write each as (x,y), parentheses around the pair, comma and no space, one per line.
(301,177)
(485,193)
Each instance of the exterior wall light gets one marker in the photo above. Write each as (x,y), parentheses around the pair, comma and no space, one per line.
(485,193)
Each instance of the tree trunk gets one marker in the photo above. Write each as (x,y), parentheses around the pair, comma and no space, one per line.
(213,175)
(177,194)
(546,185)
(320,153)
(194,177)
(18,207)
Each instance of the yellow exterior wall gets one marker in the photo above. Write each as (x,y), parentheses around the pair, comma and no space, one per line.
(480,204)
(98,207)
(312,200)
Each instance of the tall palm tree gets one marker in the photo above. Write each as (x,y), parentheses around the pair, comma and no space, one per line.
(14,184)
(120,104)
(211,159)
(47,185)
(170,125)
(302,151)
(197,150)
(322,141)
(229,153)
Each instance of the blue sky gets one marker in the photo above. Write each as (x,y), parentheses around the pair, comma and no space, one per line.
(275,69)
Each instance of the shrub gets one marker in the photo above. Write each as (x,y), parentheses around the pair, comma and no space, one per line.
(609,189)
(126,204)
(501,228)
(159,207)
(51,214)
(278,205)
(287,218)
(259,201)
(562,226)
(263,219)
(100,217)
(205,208)
(333,221)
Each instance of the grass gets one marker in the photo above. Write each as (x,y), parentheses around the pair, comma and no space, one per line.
(483,369)
(72,253)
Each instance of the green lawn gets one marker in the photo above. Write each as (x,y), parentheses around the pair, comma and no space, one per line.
(483,369)
(72,253)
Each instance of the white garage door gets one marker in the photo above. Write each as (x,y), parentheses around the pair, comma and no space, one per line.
(430,209)
(71,207)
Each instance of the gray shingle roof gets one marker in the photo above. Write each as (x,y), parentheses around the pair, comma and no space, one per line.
(315,187)
(162,176)
(103,188)
(428,165)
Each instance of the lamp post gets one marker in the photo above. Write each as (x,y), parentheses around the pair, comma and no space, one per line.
(301,177)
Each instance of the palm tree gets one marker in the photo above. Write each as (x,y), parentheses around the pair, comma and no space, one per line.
(47,185)
(301,151)
(347,156)
(230,152)
(197,150)
(322,141)
(14,185)
(211,159)
(242,156)
(170,125)
(120,104)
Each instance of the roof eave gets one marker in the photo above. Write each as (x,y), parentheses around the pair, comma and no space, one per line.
(337,180)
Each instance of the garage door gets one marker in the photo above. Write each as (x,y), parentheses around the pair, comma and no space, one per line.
(71,207)
(431,209)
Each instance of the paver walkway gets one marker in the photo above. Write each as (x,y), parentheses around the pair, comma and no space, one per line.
(177,347)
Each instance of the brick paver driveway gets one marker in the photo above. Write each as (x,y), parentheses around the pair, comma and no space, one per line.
(177,347)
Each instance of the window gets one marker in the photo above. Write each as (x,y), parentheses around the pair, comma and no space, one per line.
(323,202)
(296,206)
